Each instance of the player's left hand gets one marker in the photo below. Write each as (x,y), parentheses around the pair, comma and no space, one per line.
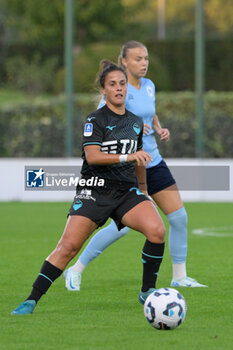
(164,134)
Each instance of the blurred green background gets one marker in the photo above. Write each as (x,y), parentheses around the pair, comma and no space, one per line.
(32,104)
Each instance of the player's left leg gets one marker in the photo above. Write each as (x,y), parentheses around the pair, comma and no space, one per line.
(77,230)
(145,218)
(170,203)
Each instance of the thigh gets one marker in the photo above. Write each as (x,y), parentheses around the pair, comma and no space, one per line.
(77,230)
(144,217)
(168,200)
(125,201)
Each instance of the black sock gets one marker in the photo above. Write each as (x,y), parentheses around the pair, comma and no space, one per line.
(152,256)
(48,274)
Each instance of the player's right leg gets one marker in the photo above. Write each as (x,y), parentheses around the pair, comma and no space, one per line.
(101,240)
(77,230)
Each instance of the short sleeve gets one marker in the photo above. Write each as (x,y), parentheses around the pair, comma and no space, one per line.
(92,131)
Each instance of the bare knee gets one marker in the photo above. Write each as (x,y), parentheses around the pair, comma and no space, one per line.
(156,233)
(66,249)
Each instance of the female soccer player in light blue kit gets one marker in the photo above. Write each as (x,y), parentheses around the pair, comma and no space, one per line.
(161,184)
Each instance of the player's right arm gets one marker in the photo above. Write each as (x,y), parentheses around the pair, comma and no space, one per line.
(95,156)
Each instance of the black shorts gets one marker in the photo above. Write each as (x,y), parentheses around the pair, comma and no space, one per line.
(100,203)
(159,178)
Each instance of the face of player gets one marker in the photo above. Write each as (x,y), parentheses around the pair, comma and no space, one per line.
(115,89)
(136,62)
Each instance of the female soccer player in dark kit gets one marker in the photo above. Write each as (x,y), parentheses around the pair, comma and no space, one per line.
(112,152)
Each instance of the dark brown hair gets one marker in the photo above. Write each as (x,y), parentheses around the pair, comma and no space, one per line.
(106,67)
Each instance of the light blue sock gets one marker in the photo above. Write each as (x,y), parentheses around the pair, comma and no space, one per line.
(178,235)
(101,241)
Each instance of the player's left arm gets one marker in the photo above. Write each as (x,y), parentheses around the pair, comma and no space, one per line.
(140,170)
(164,133)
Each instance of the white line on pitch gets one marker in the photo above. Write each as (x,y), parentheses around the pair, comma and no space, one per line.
(224,231)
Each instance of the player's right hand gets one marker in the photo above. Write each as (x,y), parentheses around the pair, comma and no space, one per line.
(141,158)
(146,129)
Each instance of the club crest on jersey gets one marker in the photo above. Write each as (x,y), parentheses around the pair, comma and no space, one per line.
(149,91)
(77,204)
(136,128)
(88,129)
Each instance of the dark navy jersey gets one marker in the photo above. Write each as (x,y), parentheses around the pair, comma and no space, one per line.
(115,134)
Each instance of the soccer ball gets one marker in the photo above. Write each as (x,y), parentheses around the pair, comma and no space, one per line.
(165,308)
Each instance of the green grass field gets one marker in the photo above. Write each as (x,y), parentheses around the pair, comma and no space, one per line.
(105,314)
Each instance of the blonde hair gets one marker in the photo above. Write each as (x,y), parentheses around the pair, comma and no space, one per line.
(129,45)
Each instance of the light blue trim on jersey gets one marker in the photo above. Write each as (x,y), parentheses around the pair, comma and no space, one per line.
(138,192)
(46,277)
(92,143)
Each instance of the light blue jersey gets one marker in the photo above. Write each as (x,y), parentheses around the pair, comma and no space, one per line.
(141,102)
